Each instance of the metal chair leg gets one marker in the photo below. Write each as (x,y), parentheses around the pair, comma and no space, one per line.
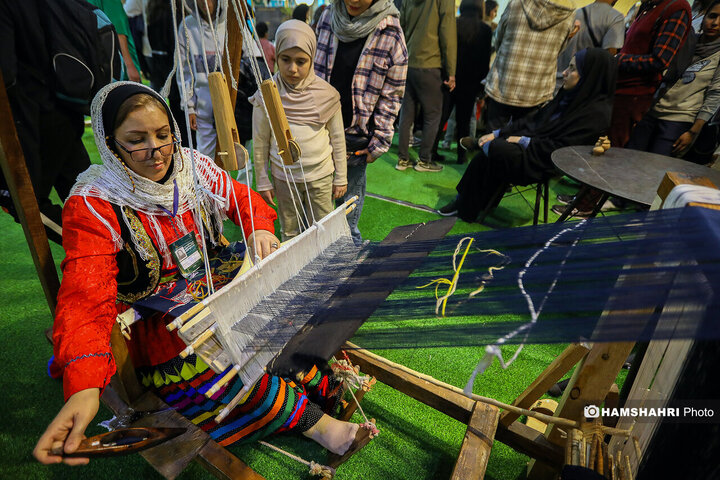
(538,198)
(547,200)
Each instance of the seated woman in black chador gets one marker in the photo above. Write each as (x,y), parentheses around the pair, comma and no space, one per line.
(520,152)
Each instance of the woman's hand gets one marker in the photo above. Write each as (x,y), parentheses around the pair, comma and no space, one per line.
(339,191)
(513,139)
(485,139)
(268,196)
(193,121)
(67,430)
(265,242)
(683,142)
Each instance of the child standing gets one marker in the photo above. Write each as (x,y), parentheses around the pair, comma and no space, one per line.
(313,111)
(199,46)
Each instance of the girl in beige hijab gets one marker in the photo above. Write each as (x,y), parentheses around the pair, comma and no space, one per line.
(313,111)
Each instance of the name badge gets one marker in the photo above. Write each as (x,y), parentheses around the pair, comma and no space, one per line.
(186,254)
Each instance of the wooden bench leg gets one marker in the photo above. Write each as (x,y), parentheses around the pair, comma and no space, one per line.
(477,444)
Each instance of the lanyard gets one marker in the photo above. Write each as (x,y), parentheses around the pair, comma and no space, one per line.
(175,208)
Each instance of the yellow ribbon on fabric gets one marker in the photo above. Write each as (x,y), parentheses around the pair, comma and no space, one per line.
(441,301)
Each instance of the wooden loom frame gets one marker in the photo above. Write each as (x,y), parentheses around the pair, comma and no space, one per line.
(483,420)
(591,384)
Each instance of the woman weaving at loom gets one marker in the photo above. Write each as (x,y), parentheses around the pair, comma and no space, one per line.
(141,203)
(520,152)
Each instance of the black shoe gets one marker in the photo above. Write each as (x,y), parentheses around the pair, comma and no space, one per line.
(438,158)
(470,144)
(449,210)
(558,389)
(560,209)
(565,199)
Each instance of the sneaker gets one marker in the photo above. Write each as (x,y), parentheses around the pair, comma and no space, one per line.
(415,142)
(449,210)
(430,166)
(560,209)
(445,145)
(438,158)
(403,164)
(565,199)
(469,143)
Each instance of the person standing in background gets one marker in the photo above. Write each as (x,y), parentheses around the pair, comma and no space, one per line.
(473,46)
(267,47)
(601,26)
(50,133)
(430,33)
(116,13)
(361,52)
(301,12)
(698,10)
(136,13)
(656,35)
(529,37)
(204,58)
(313,111)
(491,11)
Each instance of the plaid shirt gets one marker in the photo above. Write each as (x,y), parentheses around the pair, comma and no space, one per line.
(379,81)
(523,73)
(667,43)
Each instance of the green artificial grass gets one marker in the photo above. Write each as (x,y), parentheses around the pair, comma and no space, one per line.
(415,443)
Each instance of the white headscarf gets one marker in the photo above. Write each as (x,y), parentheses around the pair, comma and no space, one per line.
(117,184)
(313,101)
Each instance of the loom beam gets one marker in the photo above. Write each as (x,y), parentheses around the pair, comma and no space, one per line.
(288,149)
(455,405)
(229,154)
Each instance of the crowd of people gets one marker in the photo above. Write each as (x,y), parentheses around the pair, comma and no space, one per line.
(545,76)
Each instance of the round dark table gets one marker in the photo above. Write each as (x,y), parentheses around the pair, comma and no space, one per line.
(629,174)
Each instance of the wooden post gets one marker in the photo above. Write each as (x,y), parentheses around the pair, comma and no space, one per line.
(235,44)
(288,149)
(16,174)
(554,372)
(228,141)
(477,444)
(589,385)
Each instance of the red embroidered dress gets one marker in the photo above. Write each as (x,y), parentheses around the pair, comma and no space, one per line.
(88,306)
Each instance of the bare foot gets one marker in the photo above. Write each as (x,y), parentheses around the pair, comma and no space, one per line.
(334,435)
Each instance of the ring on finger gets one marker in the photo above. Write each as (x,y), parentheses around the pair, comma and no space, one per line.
(274,245)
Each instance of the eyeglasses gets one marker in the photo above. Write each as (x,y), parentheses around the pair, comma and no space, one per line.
(146,154)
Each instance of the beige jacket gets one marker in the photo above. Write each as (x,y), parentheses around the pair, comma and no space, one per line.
(699,98)
(323,152)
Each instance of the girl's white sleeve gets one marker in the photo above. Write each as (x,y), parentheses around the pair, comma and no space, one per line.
(261,149)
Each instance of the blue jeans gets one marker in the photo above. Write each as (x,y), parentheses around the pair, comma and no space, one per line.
(357,181)
(654,135)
